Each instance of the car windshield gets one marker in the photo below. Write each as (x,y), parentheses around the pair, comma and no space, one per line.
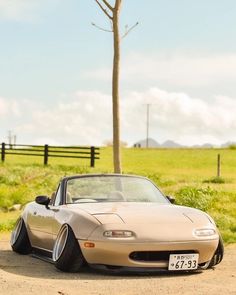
(112,189)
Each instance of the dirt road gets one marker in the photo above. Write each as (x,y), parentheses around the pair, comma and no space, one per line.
(27,275)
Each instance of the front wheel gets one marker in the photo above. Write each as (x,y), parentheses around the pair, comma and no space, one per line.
(20,242)
(217,257)
(66,251)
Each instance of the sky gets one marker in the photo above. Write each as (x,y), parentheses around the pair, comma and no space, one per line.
(55,71)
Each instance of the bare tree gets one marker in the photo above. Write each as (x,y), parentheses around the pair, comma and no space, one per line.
(113,12)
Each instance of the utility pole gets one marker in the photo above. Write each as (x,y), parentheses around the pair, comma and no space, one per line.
(147,125)
(11,139)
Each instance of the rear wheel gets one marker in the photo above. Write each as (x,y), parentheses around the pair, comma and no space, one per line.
(66,251)
(20,242)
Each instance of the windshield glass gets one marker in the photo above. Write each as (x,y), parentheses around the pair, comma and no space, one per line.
(112,189)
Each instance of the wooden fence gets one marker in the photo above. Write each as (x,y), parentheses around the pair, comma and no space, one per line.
(47,151)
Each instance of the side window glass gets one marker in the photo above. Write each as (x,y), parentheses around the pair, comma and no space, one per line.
(57,199)
(52,198)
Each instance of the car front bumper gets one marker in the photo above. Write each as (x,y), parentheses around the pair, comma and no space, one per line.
(117,253)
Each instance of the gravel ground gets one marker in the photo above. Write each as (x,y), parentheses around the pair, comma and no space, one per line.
(27,275)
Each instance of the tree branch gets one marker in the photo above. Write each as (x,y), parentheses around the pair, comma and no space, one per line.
(108,5)
(129,30)
(103,9)
(100,28)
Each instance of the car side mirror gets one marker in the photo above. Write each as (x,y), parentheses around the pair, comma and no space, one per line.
(42,200)
(171,199)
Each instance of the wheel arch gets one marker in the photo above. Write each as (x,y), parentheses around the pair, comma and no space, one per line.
(81,223)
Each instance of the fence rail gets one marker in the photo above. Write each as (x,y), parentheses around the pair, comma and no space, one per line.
(47,151)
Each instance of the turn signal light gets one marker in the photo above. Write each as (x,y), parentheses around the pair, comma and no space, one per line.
(89,245)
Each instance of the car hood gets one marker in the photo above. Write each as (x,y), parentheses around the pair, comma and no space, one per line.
(150,213)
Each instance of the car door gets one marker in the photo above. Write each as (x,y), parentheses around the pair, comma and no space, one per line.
(41,222)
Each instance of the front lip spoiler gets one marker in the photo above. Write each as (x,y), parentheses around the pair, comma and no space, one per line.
(125,270)
(139,270)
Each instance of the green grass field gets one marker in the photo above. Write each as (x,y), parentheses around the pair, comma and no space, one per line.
(188,174)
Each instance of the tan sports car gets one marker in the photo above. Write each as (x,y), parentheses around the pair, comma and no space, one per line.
(116,222)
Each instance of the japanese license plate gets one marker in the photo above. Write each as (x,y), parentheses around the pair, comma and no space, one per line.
(183,261)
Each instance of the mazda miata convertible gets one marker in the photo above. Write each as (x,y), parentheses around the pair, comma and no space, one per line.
(116,222)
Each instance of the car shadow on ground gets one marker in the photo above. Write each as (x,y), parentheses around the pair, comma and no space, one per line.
(28,266)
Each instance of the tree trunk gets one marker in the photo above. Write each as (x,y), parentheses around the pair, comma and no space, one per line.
(115,90)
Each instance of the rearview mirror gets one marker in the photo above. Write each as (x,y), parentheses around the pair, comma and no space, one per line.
(42,200)
(171,199)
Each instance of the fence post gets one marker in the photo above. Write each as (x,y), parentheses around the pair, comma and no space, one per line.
(218,165)
(45,154)
(92,156)
(3,152)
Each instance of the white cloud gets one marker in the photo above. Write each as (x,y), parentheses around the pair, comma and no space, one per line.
(19,10)
(177,69)
(187,120)
(9,107)
(16,9)
(86,118)
(183,70)
(3,107)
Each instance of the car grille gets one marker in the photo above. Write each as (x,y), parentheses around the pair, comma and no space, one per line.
(154,256)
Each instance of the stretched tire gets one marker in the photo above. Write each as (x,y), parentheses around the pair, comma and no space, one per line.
(217,257)
(20,242)
(66,251)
